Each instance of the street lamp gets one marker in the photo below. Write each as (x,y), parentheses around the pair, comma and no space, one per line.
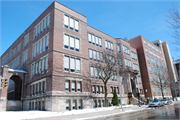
(118,79)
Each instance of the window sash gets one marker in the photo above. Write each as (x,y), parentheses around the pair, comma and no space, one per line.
(66,62)
(78,64)
(89,37)
(77,43)
(66,40)
(72,42)
(72,63)
(71,22)
(76,25)
(66,20)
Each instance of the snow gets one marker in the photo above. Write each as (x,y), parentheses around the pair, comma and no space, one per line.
(19,115)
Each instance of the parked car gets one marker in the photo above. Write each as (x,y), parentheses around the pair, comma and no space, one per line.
(156,103)
(165,101)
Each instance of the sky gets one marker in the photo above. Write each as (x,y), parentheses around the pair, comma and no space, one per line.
(117,18)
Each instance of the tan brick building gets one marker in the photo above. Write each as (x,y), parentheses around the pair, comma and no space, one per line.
(49,65)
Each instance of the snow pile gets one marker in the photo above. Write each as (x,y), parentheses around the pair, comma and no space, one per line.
(19,115)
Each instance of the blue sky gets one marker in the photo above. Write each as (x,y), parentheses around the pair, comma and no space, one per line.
(117,18)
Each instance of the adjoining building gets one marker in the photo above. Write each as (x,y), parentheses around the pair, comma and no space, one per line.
(49,66)
(153,66)
(177,71)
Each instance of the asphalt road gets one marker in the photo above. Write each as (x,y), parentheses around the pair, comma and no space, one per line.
(167,112)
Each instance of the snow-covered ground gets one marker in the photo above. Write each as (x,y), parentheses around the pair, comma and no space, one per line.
(19,115)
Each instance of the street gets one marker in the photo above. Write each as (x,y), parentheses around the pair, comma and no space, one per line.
(166,112)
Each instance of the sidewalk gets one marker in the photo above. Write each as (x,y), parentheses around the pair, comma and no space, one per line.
(99,114)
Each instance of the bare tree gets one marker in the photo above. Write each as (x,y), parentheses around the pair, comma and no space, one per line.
(163,80)
(174,22)
(105,69)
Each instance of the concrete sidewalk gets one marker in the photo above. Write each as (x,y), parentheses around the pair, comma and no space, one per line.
(97,114)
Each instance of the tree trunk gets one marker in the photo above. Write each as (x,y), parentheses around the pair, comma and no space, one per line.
(105,95)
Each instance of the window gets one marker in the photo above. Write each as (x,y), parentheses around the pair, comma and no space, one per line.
(111,90)
(154,69)
(144,42)
(121,62)
(169,91)
(39,67)
(163,65)
(73,85)
(101,89)
(146,50)
(154,90)
(71,23)
(18,48)
(41,45)
(119,48)
(42,26)
(157,80)
(157,63)
(152,61)
(149,68)
(128,63)
(92,71)
(67,104)
(26,40)
(79,86)
(135,66)
(160,64)
(80,104)
(14,53)
(71,43)
(74,104)
(14,64)
(162,59)
(95,55)
(72,64)
(147,57)
(10,55)
(93,89)
(67,85)
(109,45)
(4,60)
(134,56)
(158,90)
(152,80)
(25,57)
(97,89)
(139,80)
(126,50)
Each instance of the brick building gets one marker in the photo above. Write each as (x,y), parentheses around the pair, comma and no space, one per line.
(50,64)
(153,67)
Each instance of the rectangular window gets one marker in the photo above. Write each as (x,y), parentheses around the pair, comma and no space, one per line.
(139,80)
(119,48)
(93,39)
(74,104)
(100,42)
(147,57)
(72,43)
(14,64)
(73,85)
(93,89)
(18,48)
(77,43)
(135,66)
(72,64)
(25,57)
(121,62)
(92,72)
(154,69)
(10,55)
(78,66)
(66,21)
(126,50)
(146,50)
(97,41)
(152,81)
(66,63)
(111,90)
(157,63)
(90,54)
(134,56)
(76,25)
(154,90)
(80,104)
(149,68)
(14,53)
(79,86)
(5,59)
(41,45)
(67,85)
(26,40)
(101,89)
(128,63)
(89,37)
(144,42)
(68,105)
(152,61)
(97,89)
(106,45)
